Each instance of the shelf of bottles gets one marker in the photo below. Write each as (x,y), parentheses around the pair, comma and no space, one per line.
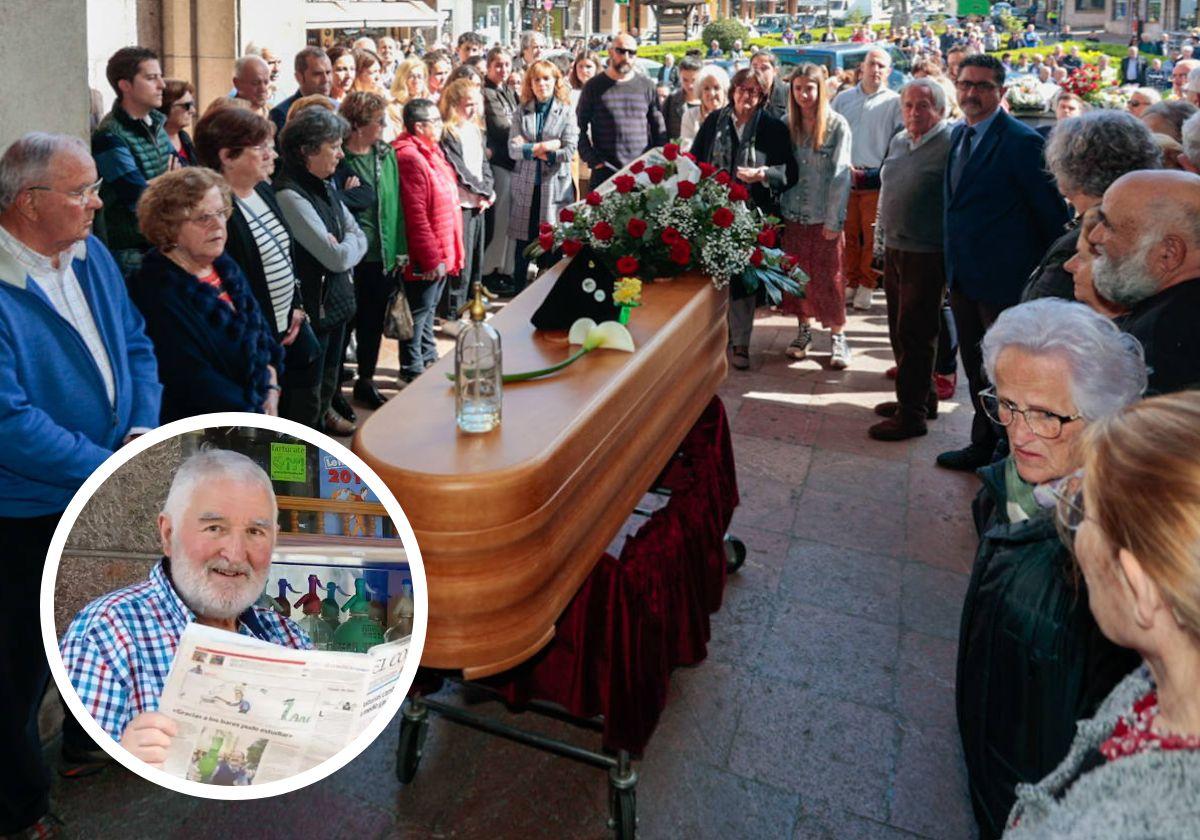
(348,599)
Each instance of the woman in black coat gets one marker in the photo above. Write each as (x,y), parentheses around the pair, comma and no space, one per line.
(761,159)
(215,350)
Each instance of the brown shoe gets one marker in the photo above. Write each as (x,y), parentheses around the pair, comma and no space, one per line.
(336,424)
(898,427)
(891,407)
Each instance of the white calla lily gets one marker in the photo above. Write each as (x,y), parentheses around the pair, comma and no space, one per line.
(609,335)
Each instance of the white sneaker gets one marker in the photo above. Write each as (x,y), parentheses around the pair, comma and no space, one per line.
(839,358)
(862,298)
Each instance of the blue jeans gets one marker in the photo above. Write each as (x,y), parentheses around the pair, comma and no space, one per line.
(420,351)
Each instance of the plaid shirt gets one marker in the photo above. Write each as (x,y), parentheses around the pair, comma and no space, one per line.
(119,649)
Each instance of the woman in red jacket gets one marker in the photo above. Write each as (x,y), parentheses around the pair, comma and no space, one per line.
(433,223)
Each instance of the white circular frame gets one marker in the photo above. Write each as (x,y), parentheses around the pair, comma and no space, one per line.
(416,642)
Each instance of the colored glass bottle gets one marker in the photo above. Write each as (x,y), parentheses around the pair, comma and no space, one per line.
(318,630)
(359,633)
(402,616)
(329,607)
(282,605)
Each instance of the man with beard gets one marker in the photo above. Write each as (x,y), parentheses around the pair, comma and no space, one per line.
(218,529)
(1148,259)
(619,115)
(314,74)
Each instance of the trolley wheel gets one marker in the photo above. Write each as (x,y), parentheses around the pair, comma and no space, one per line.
(735,553)
(410,748)
(623,804)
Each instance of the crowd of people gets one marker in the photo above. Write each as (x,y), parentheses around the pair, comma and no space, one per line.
(178,266)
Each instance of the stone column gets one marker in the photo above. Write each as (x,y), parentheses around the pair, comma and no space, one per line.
(200,43)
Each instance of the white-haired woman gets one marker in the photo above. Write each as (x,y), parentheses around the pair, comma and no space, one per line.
(1031,659)
(711,85)
(1133,769)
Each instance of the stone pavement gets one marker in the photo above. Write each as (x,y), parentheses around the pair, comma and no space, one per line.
(825,708)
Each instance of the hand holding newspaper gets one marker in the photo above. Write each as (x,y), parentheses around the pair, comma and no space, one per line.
(251,712)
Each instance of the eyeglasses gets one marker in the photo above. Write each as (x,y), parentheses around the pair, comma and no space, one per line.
(982,87)
(1045,424)
(210,219)
(621,50)
(264,148)
(1068,509)
(746,90)
(81,196)
(187,106)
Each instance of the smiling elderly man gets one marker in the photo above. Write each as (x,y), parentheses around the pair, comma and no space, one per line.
(218,530)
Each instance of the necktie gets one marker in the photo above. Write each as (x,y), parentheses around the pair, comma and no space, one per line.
(960,159)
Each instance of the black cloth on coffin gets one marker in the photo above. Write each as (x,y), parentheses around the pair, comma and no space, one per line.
(584,289)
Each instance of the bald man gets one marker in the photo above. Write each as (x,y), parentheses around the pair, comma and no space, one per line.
(252,82)
(1148,260)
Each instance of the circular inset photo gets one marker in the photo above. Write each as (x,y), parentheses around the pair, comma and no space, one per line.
(234,607)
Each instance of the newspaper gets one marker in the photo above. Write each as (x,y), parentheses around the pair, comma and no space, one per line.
(251,712)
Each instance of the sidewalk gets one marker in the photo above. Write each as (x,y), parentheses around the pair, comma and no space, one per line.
(825,708)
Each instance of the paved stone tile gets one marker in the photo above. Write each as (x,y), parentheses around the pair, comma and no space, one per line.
(925,681)
(931,786)
(766,556)
(931,600)
(705,703)
(777,421)
(803,742)
(771,459)
(859,475)
(765,503)
(844,580)
(847,432)
(832,653)
(944,540)
(692,799)
(850,521)
(740,628)
(833,824)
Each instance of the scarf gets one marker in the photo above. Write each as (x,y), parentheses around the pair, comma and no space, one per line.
(726,147)
(1021,504)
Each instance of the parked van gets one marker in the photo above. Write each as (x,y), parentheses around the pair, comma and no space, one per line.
(838,57)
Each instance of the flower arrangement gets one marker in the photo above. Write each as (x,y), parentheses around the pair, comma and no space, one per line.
(1094,88)
(1025,96)
(666,214)
(627,293)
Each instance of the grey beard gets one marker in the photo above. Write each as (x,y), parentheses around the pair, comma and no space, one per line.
(194,588)
(1125,282)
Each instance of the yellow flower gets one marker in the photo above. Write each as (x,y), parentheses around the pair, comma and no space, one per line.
(627,291)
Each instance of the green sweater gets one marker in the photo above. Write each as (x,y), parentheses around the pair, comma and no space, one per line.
(384,223)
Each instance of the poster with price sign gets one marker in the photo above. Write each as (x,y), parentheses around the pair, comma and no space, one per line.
(341,484)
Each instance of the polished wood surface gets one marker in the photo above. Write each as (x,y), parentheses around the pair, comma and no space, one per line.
(511,522)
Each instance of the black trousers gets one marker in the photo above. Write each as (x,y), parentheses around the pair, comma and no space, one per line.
(420,351)
(24,672)
(915,286)
(372,287)
(947,352)
(973,317)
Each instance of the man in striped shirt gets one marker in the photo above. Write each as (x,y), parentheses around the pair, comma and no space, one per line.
(218,529)
(619,114)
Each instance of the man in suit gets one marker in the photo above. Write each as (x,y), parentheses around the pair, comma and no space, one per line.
(314,74)
(998,194)
(1133,69)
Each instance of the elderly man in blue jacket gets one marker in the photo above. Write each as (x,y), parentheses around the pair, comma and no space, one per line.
(1002,213)
(77,380)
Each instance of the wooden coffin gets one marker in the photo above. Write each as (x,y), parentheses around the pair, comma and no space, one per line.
(511,522)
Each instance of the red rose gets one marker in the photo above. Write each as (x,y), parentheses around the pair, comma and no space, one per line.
(680,253)
(722,178)
(787,263)
(571,247)
(757,257)
(636,228)
(670,236)
(637,167)
(593,199)
(738,192)
(624,183)
(707,169)
(602,231)
(546,240)
(690,156)
(627,265)
(566,215)
(545,227)
(686,189)
(722,217)
(655,174)
(671,151)
(766,237)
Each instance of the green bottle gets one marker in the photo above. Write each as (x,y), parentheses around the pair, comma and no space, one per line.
(329,607)
(359,633)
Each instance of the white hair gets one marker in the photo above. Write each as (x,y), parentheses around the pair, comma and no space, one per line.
(713,71)
(210,465)
(936,91)
(1192,85)
(1107,367)
(27,161)
(1191,139)
(246,60)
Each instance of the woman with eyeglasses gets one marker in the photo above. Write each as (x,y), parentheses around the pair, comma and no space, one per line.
(1133,519)
(215,350)
(240,145)
(1031,660)
(179,107)
(755,148)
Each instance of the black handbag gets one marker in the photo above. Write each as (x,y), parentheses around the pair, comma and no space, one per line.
(337,304)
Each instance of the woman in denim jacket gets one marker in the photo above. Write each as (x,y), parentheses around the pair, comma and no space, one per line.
(814,211)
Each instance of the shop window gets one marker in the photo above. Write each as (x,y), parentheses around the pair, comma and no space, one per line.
(1120,10)
(1090,5)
